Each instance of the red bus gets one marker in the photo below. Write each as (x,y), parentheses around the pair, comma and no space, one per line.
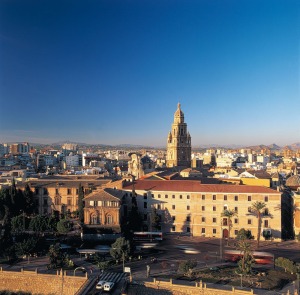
(259,257)
(147,236)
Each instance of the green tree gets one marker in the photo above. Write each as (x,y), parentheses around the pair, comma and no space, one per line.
(64,226)
(155,219)
(244,234)
(18,225)
(186,267)
(257,209)
(80,203)
(26,247)
(56,256)
(287,264)
(38,224)
(120,249)
(228,214)
(28,200)
(247,260)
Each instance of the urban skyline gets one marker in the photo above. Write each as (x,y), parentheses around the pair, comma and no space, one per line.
(113,72)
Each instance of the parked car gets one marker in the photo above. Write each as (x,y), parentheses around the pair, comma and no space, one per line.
(100,285)
(108,286)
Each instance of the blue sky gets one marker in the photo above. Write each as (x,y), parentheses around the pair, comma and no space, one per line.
(112,72)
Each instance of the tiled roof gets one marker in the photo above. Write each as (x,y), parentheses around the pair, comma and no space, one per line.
(293,181)
(107,194)
(196,186)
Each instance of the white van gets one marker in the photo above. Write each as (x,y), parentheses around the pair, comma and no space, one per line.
(108,286)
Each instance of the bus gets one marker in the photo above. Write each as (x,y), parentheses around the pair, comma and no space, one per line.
(147,236)
(259,257)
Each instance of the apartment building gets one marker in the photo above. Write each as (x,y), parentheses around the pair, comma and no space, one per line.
(187,206)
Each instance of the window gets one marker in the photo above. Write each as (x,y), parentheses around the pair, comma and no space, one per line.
(214,231)
(173,218)
(266,198)
(158,196)
(203,219)
(249,198)
(249,209)
(145,196)
(203,197)
(173,207)
(69,201)
(166,196)
(152,195)
(69,191)
(45,202)
(236,209)
(203,208)
(266,223)
(187,207)
(109,219)
(266,211)
(236,198)
(158,206)
(236,232)
(214,208)
(145,217)
(173,196)
(225,197)
(214,219)
(188,218)
(203,230)
(236,220)
(145,205)
(180,196)
(173,228)
(249,221)
(225,207)
(188,196)
(56,191)
(77,191)
(214,197)
(188,229)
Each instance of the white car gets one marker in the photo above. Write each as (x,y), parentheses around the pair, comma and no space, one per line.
(108,286)
(191,251)
(100,285)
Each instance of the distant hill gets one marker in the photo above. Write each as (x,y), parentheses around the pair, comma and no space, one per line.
(274,147)
(295,146)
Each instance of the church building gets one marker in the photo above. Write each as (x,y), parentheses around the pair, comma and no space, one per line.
(179,142)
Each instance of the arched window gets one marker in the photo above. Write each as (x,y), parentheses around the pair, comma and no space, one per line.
(109,219)
(95,218)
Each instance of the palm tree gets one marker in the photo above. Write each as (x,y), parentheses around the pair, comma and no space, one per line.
(228,214)
(257,208)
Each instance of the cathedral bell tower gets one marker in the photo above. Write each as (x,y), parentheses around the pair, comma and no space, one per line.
(179,142)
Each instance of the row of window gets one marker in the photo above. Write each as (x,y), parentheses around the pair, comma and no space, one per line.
(69,191)
(224,221)
(203,197)
(104,204)
(158,206)
(173,196)
(203,230)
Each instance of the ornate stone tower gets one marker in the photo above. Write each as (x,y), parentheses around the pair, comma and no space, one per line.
(179,142)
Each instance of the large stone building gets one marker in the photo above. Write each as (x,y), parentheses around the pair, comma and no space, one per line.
(187,206)
(60,193)
(179,142)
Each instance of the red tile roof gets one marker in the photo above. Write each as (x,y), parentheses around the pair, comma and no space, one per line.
(196,186)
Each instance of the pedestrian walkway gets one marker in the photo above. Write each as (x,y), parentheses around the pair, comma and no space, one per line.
(114,277)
